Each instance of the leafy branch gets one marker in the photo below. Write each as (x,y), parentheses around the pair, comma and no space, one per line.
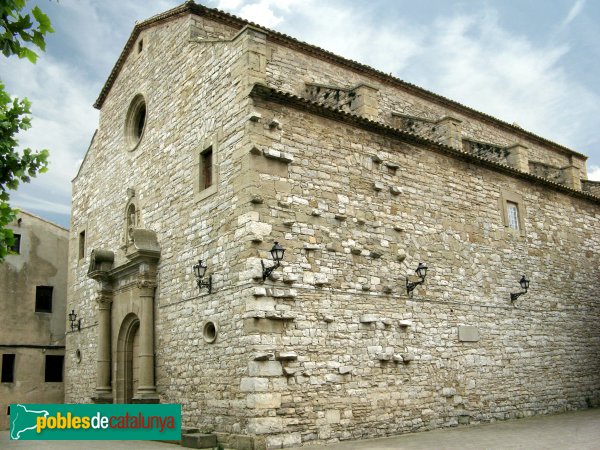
(18,32)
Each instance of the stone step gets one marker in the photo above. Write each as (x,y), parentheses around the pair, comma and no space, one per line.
(199,440)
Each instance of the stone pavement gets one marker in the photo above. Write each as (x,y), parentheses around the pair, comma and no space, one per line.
(579,430)
(7,444)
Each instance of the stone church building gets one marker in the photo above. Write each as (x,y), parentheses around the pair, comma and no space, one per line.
(218,138)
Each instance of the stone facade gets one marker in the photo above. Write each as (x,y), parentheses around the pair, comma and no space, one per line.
(360,177)
(33,329)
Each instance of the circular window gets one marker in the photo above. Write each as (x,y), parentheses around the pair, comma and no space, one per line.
(210,332)
(135,122)
(78,356)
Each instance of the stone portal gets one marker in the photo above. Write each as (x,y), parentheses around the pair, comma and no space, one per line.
(125,358)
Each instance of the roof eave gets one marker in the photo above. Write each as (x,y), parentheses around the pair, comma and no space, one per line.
(268,93)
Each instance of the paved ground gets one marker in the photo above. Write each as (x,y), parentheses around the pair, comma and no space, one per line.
(575,430)
(7,444)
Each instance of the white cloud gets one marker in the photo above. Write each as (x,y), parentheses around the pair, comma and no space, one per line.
(475,61)
(573,12)
(63,121)
(263,12)
(99,30)
(594,173)
(29,202)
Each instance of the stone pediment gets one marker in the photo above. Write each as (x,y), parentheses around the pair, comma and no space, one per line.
(142,256)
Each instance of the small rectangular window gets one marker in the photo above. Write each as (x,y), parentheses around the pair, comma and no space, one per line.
(54,368)
(82,245)
(43,299)
(16,247)
(8,368)
(512,210)
(206,163)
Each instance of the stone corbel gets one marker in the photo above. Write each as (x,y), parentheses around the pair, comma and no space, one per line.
(101,263)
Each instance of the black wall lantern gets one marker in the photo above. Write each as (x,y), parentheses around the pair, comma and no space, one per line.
(524,282)
(199,271)
(277,253)
(75,322)
(421,273)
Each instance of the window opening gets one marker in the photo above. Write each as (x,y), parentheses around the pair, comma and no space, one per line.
(8,368)
(207,162)
(513,215)
(43,299)
(82,245)
(54,368)
(16,247)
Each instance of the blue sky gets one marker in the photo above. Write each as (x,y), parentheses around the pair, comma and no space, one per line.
(533,62)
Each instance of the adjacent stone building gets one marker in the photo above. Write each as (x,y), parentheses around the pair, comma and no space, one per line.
(33,297)
(218,138)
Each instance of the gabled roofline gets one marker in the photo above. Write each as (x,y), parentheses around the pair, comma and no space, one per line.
(49,222)
(236,22)
(85,156)
(166,16)
(270,94)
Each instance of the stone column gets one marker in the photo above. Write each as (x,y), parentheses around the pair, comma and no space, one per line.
(366,103)
(103,387)
(146,392)
(449,132)
(572,177)
(518,157)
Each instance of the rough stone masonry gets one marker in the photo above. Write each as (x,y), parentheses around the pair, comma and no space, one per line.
(216,139)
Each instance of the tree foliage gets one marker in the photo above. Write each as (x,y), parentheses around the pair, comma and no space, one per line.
(19,31)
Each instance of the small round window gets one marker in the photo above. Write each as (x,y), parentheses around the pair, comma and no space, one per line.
(210,331)
(135,122)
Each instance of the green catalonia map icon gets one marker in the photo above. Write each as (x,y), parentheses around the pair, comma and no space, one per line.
(23,419)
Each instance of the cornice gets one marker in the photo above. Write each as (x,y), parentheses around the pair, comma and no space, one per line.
(270,94)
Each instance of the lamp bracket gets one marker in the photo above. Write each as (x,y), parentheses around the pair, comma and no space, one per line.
(514,296)
(411,285)
(267,271)
(76,324)
(205,284)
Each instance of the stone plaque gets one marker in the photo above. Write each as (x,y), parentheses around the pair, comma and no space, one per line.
(468,334)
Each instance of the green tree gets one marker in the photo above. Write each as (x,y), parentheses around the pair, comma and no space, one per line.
(20,29)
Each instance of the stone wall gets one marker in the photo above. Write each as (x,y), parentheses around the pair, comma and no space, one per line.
(331,347)
(26,333)
(546,171)
(593,187)
(185,91)
(355,229)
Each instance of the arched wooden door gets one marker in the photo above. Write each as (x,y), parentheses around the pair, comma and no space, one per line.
(128,359)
